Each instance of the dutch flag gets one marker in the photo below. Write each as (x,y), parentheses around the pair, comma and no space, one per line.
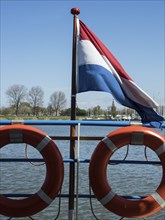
(99,70)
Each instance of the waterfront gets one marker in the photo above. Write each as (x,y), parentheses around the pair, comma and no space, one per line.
(124,179)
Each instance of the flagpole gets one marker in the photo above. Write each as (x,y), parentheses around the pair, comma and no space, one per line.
(74,12)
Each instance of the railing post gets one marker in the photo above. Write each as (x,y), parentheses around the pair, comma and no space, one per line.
(77,173)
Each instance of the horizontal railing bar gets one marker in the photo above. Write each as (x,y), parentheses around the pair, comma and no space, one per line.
(113,162)
(66,196)
(82,138)
(75,122)
(66,122)
(67,160)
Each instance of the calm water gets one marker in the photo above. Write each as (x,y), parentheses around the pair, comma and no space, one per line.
(124,179)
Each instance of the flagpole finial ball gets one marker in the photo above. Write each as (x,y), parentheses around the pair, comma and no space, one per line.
(75,11)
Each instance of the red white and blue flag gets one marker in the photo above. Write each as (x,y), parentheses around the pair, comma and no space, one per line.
(99,70)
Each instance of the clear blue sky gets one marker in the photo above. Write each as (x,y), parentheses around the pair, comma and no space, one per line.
(36,44)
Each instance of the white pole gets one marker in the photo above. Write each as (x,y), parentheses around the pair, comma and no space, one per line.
(78,163)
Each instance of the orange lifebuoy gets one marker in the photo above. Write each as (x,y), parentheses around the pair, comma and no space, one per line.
(54,170)
(135,135)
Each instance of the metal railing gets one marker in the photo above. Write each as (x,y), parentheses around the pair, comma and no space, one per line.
(77,160)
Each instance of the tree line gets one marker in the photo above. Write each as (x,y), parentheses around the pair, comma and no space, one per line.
(30,103)
(24,102)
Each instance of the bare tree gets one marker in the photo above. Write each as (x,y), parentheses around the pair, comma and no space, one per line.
(57,101)
(16,94)
(35,98)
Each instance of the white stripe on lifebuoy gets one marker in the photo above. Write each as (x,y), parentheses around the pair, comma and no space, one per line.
(109,144)
(160,150)
(159,199)
(44,197)
(43,143)
(107,198)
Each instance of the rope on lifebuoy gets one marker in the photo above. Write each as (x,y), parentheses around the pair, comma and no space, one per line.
(54,171)
(146,157)
(134,135)
(27,157)
(125,157)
